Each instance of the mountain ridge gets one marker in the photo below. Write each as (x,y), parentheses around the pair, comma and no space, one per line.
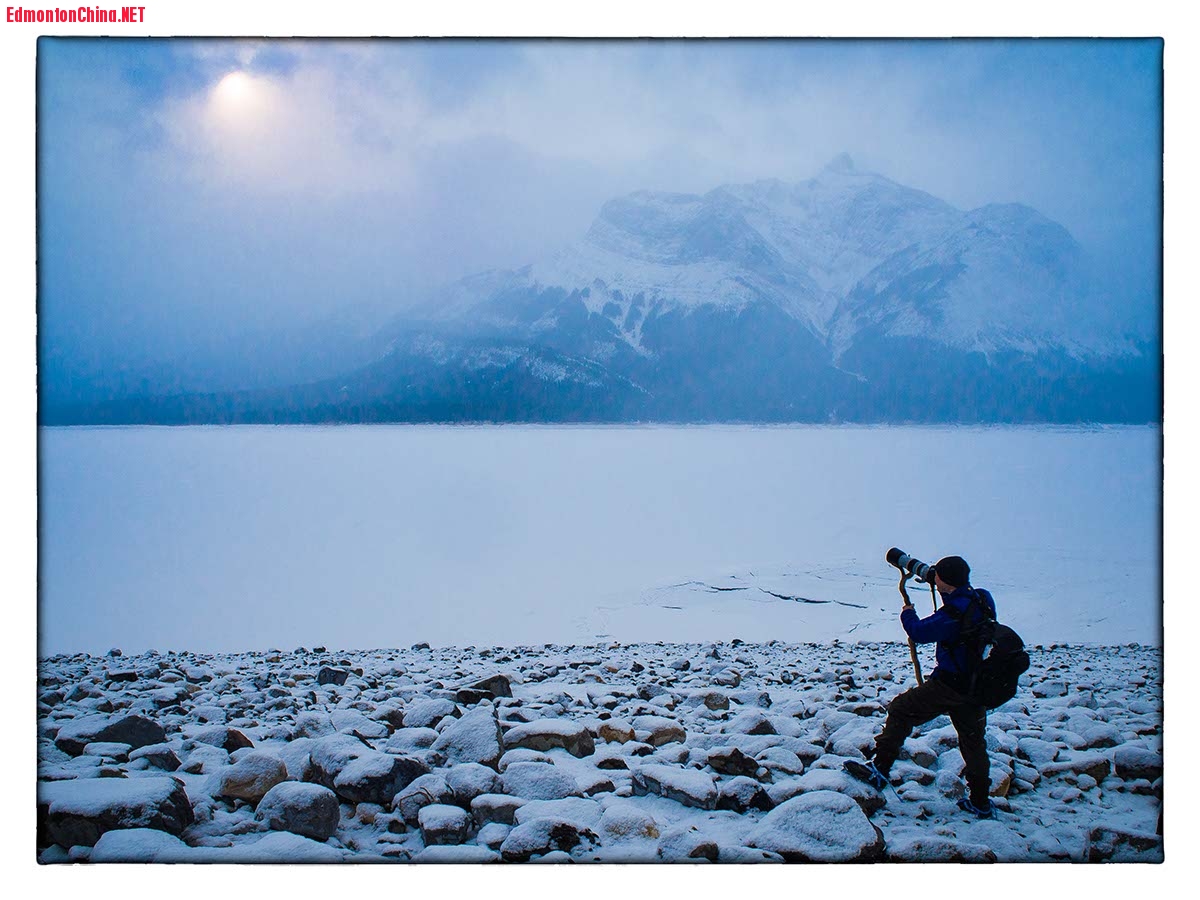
(842,297)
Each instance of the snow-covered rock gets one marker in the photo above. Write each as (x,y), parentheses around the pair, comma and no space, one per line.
(251,777)
(309,810)
(822,826)
(78,812)
(547,734)
(474,738)
(360,774)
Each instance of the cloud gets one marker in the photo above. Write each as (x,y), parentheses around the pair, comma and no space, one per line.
(329,175)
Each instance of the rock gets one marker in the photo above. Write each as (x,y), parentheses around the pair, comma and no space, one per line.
(1101,736)
(312,724)
(659,730)
(460,854)
(716,700)
(413,740)
(1133,761)
(139,845)
(626,822)
(689,787)
(822,826)
(427,713)
(538,781)
(927,847)
(274,847)
(1106,843)
(743,793)
(359,774)
(328,675)
(136,731)
(615,731)
(251,776)
(1037,751)
(205,760)
(424,791)
(547,734)
(108,750)
(583,814)
(160,756)
(297,756)
(684,843)
(310,810)
(779,759)
(500,808)
(541,836)
(475,738)
(469,780)
(1049,689)
(228,739)
(750,722)
(1095,764)
(492,835)
(865,796)
(732,761)
(78,812)
(496,685)
(443,824)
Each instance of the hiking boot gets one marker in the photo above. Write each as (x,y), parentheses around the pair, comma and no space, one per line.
(866,772)
(985,812)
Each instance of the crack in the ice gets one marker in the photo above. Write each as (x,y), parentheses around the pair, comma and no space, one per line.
(798,599)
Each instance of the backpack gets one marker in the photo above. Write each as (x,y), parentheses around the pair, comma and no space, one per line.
(998,658)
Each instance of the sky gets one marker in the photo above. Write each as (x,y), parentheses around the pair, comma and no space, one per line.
(197,197)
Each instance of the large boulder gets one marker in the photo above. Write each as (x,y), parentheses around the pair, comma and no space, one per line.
(822,826)
(424,791)
(732,761)
(690,787)
(78,812)
(1133,761)
(139,845)
(228,739)
(309,810)
(442,823)
(136,731)
(250,777)
(427,713)
(359,774)
(475,738)
(496,685)
(540,836)
(538,781)
(658,730)
(469,780)
(160,756)
(547,734)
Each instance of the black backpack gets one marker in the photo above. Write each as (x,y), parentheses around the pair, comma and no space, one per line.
(997,658)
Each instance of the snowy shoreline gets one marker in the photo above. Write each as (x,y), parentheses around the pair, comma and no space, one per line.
(722,752)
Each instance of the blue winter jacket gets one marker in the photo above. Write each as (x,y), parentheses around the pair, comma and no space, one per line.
(944,628)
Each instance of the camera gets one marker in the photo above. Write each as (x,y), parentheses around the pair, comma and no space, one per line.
(902,560)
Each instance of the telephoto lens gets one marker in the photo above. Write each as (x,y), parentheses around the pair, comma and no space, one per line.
(902,560)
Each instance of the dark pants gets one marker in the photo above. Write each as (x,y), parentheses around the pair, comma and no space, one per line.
(926,702)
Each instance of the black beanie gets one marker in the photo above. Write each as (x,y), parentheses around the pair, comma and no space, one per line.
(954,571)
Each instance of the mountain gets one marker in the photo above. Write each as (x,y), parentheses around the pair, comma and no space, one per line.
(846,297)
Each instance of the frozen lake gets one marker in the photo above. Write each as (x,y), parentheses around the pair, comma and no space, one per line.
(225,539)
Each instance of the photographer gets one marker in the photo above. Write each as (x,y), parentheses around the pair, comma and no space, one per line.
(943,693)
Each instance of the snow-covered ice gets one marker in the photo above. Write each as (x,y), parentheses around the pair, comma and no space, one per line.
(224,539)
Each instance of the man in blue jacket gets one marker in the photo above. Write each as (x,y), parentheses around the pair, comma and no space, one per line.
(943,693)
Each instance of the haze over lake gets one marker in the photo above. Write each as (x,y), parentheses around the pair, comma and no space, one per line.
(232,538)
